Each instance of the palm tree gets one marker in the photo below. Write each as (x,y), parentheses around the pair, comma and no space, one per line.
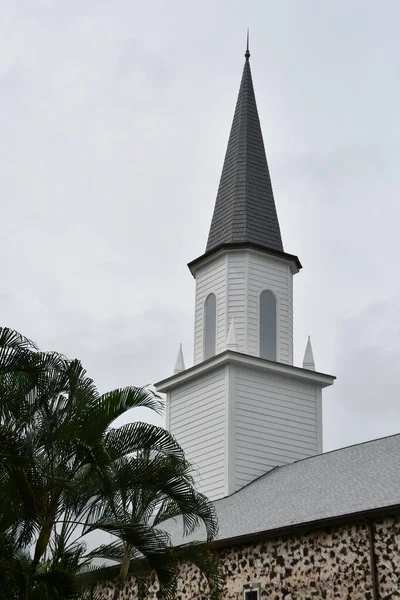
(65,472)
(149,490)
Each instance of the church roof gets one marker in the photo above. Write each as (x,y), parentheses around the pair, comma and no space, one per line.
(245,207)
(357,480)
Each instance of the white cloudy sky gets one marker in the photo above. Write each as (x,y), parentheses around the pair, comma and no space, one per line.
(114,121)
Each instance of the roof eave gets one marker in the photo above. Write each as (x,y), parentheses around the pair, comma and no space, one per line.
(294,260)
(230,356)
(366,516)
(337,520)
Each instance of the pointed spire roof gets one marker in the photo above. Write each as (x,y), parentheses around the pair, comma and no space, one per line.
(180,363)
(308,360)
(245,208)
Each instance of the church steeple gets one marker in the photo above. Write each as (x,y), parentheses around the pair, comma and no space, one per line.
(245,273)
(243,407)
(245,208)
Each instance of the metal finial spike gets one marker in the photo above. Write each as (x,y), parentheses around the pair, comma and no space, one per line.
(247,53)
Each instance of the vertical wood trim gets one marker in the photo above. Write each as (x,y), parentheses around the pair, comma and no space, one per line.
(227,433)
(290,307)
(167,410)
(194,324)
(230,430)
(318,403)
(226,328)
(278,327)
(258,337)
(246,303)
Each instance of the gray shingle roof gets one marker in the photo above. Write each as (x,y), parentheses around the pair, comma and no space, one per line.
(357,479)
(245,207)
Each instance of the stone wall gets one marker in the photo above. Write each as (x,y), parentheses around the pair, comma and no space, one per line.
(333,563)
(387,551)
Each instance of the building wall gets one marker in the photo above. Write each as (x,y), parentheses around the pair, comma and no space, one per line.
(387,551)
(268,273)
(326,564)
(276,422)
(237,279)
(236,423)
(237,296)
(210,278)
(196,415)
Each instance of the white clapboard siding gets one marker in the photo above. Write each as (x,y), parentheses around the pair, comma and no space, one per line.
(236,296)
(237,279)
(267,273)
(197,411)
(276,422)
(210,279)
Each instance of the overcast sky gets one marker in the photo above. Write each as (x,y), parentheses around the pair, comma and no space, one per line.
(114,121)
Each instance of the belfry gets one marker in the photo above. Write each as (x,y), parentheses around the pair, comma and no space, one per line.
(243,408)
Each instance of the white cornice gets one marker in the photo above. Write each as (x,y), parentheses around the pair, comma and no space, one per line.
(284,258)
(230,357)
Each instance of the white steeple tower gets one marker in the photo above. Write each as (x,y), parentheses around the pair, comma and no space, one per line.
(243,408)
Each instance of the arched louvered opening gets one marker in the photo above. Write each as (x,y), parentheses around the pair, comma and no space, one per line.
(267,325)
(210,326)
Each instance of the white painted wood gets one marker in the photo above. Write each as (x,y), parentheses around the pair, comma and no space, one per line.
(236,296)
(269,273)
(320,438)
(237,278)
(277,422)
(197,418)
(308,360)
(246,305)
(236,415)
(180,362)
(296,373)
(210,278)
(290,315)
(236,421)
(230,440)
(231,341)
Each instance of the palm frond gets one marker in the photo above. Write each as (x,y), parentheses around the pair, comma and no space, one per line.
(65,472)
(139,437)
(114,404)
(144,538)
(12,339)
(113,552)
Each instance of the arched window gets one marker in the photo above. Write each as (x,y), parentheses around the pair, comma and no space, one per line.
(268,325)
(210,325)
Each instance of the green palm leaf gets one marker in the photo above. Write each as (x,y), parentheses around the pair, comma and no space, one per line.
(134,437)
(114,404)
(66,472)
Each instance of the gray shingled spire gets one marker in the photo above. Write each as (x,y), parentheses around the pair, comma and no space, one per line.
(245,207)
